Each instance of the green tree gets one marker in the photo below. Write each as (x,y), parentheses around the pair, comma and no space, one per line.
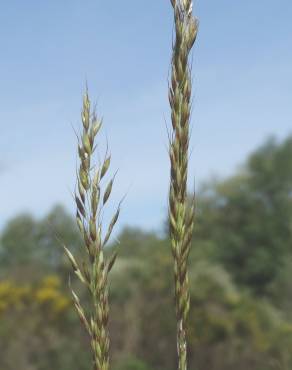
(249,216)
(19,241)
(26,241)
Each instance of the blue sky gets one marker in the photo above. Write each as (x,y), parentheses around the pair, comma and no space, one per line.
(242,66)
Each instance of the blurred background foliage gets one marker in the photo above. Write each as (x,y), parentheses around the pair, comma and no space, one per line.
(240,272)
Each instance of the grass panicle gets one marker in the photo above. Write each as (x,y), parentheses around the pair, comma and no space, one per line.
(90,201)
(181,213)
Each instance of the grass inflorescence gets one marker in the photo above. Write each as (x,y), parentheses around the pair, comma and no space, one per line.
(181,213)
(90,201)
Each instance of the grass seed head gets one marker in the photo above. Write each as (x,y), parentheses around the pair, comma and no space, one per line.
(94,271)
(180,214)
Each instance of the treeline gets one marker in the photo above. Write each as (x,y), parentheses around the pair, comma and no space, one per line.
(240,272)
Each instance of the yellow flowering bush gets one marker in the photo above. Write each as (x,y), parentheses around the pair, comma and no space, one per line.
(46,294)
